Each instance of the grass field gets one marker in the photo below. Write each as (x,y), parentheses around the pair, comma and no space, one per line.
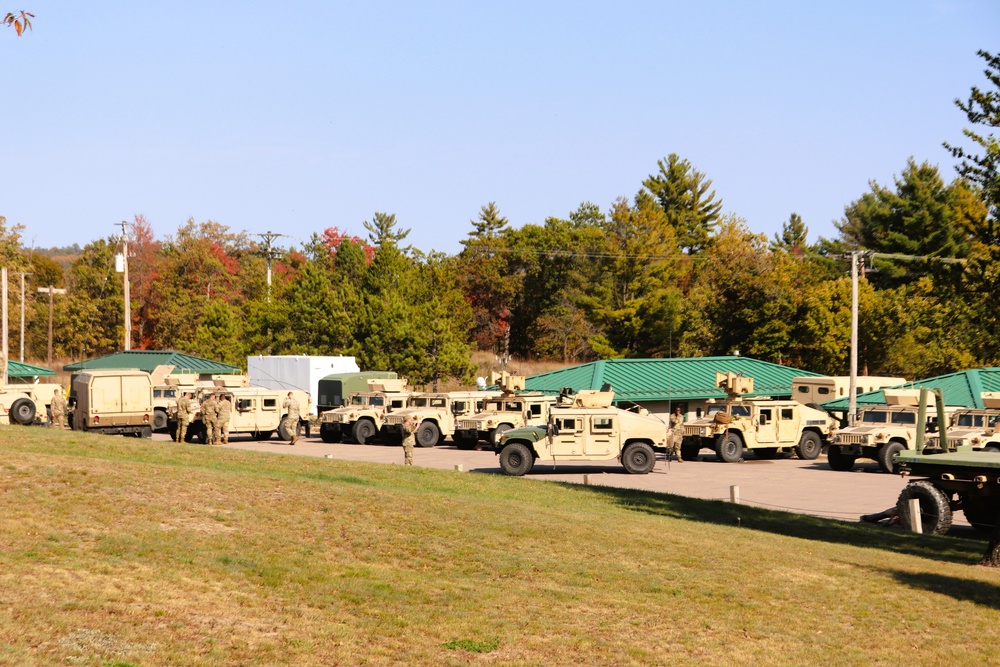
(118,552)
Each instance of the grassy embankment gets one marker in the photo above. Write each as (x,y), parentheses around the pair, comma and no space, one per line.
(120,552)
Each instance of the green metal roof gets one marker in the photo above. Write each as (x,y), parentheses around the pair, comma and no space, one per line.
(17,369)
(668,379)
(962,389)
(148,360)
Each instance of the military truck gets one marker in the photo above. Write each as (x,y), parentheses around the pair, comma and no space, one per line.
(949,481)
(117,402)
(881,432)
(589,429)
(762,425)
(256,411)
(335,390)
(436,415)
(361,419)
(513,408)
(973,428)
(26,404)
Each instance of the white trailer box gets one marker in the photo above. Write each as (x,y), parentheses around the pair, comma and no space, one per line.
(297,372)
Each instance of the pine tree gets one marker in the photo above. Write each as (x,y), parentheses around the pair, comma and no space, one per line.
(686,198)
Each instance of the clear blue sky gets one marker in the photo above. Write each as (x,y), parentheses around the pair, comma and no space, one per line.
(297,116)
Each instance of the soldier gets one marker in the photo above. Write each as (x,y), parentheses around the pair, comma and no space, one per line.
(183,415)
(58,409)
(676,434)
(209,411)
(409,439)
(222,420)
(291,422)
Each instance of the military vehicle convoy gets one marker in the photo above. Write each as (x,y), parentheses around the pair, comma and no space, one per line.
(26,404)
(588,429)
(761,425)
(362,418)
(117,402)
(436,416)
(513,408)
(881,432)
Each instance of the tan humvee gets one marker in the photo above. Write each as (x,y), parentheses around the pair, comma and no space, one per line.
(114,402)
(589,429)
(882,431)
(256,411)
(513,408)
(761,425)
(362,418)
(436,416)
(26,403)
(169,389)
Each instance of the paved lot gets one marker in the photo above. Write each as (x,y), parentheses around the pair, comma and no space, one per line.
(807,487)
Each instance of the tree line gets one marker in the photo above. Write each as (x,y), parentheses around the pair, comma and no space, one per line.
(660,273)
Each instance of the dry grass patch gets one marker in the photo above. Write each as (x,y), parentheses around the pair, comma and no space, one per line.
(124,552)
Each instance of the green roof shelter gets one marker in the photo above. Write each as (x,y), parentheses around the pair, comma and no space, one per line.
(20,372)
(148,360)
(658,384)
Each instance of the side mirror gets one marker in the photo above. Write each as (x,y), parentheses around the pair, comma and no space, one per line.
(553,429)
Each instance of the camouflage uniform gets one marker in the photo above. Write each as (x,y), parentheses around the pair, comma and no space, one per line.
(291,422)
(225,410)
(209,411)
(183,416)
(676,435)
(409,440)
(58,409)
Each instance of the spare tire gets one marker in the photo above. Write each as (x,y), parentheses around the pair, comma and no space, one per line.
(22,411)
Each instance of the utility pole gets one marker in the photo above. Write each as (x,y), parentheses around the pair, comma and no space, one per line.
(3,295)
(270,253)
(23,274)
(852,408)
(128,295)
(51,292)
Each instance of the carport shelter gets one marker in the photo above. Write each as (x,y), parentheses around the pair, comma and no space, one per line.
(21,373)
(148,360)
(661,385)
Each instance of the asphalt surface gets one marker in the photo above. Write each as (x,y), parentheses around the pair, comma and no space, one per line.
(792,485)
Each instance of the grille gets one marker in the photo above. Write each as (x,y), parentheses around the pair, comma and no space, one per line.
(852,439)
(393,419)
(466,424)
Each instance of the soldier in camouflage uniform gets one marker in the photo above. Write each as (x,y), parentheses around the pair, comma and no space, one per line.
(183,415)
(409,439)
(676,435)
(224,411)
(209,411)
(58,409)
(291,422)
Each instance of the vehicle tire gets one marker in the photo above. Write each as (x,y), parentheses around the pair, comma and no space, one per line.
(839,461)
(885,456)
(263,435)
(159,420)
(363,431)
(765,453)
(638,458)
(992,447)
(690,452)
(729,447)
(516,459)
(935,509)
(497,432)
(809,446)
(22,411)
(982,513)
(196,432)
(328,436)
(146,433)
(172,430)
(428,434)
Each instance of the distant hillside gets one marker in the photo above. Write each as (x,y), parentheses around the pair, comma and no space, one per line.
(64,256)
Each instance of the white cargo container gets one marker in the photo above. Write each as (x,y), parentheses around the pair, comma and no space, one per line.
(297,372)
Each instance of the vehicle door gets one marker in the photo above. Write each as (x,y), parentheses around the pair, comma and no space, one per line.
(267,412)
(788,425)
(767,429)
(244,414)
(567,437)
(535,414)
(603,436)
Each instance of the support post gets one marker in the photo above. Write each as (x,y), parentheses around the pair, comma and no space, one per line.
(916,525)
(734,494)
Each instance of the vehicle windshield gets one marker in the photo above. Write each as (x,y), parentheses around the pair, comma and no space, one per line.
(357,400)
(740,411)
(968,420)
(418,402)
(439,402)
(904,417)
(874,417)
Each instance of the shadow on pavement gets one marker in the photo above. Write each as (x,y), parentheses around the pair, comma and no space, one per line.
(943,548)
